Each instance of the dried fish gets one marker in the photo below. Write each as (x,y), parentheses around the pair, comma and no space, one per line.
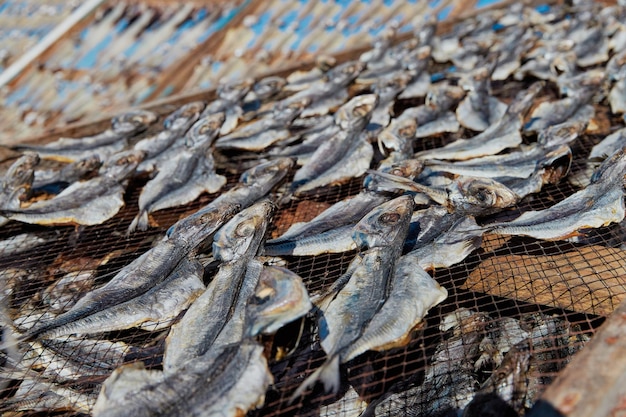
(22,243)
(599,204)
(104,144)
(182,179)
(17,181)
(229,98)
(69,174)
(235,245)
(86,203)
(499,136)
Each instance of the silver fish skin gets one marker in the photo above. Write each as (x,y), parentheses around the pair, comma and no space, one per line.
(416,66)
(413,294)
(73,149)
(479,110)
(387,89)
(235,245)
(153,310)
(87,203)
(479,196)
(176,125)
(353,164)
(427,224)
(368,284)
(386,225)
(179,181)
(186,236)
(599,204)
(451,247)
(265,132)
(229,97)
(499,136)
(519,40)
(226,383)
(396,164)
(17,182)
(279,298)
(70,173)
(253,185)
(397,137)
(616,97)
(22,242)
(355,114)
(336,240)
(265,88)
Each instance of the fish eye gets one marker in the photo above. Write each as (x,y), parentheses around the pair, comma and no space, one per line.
(360,110)
(389,217)
(397,171)
(245,229)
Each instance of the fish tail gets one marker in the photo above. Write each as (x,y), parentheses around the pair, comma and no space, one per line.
(139,222)
(328,374)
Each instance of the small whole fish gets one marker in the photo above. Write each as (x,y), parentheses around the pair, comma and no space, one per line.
(17,182)
(69,174)
(85,203)
(228,101)
(104,144)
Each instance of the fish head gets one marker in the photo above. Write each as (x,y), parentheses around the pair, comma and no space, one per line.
(343,74)
(385,225)
(184,115)
(556,164)
(85,166)
(122,164)
(268,86)
(280,297)
(479,195)
(133,122)
(525,98)
(444,96)
(356,112)
(21,172)
(398,136)
(287,110)
(560,134)
(205,130)
(243,232)
(233,92)
(266,172)
(325,62)
(408,169)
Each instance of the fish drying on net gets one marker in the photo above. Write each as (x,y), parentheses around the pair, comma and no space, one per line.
(264,89)
(616,71)
(602,150)
(87,202)
(479,109)
(599,204)
(184,237)
(358,296)
(112,140)
(68,174)
(235,244)
(387,89)
(343,156)
(17,182)
(499,136)
(513,44)
(175,126)
(265,132)
(183,178)
(23,242)
(436,115)
(574,106)
(228,101)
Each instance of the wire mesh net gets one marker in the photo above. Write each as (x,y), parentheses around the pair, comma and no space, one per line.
(552,295)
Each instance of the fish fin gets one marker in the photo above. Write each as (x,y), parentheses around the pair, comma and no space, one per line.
(140,222)
(328,374)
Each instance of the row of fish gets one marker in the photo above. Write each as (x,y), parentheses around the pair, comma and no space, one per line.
(208,285)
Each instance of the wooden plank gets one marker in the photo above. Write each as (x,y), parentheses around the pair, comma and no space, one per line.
(594,383)
(589,279)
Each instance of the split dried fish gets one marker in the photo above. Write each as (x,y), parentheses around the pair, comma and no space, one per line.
(84,203)
(499,136)
(104,144)
(69,174)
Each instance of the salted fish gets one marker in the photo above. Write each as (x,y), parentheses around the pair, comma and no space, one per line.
(182,179)
(22,243)
(417,66)
(479,109)
(413,293)
(450,381)
(617,97)
(450,247)
(175,126)
(367,283)
(279,298)
(387,89)
(70,173)
(229,98)
(235,245)
(183,238)
(228,383)
(17,182)
(265,132)
(499,136)
(85,203)
(153,310)
(103,144)
(599,204)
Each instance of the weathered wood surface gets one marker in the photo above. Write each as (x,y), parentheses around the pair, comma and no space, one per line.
(589,279)
(594,383)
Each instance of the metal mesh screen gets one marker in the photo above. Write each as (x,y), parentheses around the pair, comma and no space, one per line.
(568,287)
